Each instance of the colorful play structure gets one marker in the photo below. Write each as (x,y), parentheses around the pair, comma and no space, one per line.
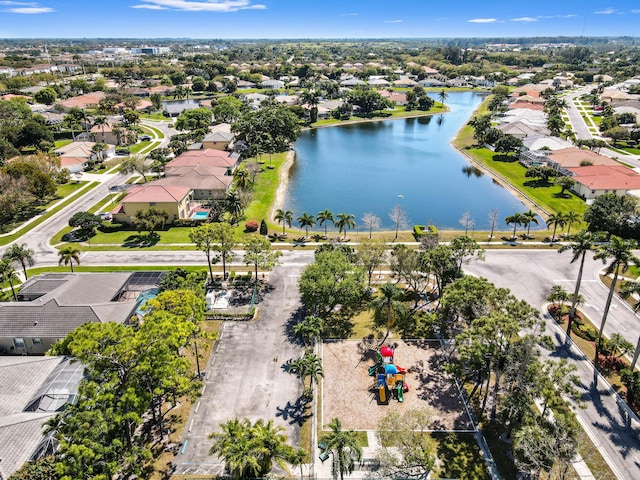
(389,377)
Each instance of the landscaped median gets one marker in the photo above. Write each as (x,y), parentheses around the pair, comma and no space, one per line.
(6,239)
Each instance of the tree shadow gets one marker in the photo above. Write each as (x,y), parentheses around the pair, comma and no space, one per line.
(141,241)
(296,317)
(561,195)
(295,413)
(504,158)
(537,183)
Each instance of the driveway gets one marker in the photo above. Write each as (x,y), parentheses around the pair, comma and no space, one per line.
(245,377)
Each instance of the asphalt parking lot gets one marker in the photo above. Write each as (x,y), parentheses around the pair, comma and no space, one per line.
(245,377)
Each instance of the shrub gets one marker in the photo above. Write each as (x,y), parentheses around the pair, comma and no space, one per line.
(418,230)
(584,331)
(263,228)
(251,226)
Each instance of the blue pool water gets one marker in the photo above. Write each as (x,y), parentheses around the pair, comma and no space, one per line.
(200,216)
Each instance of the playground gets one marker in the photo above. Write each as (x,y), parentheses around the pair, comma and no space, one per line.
(360,386)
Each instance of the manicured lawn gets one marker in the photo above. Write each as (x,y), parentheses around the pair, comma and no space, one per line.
(264,190)
(139,146)
(547,196)
(153,116)
(112,268)
(157,132)
(119,237)
(460,457)
(67,189)
(62,143)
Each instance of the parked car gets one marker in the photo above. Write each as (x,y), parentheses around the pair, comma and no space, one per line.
(144,138)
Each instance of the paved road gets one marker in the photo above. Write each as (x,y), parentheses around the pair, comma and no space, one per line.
(577,122)
(529,275)
(246,378)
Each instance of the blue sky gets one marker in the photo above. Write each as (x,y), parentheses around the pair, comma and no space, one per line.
(315,18)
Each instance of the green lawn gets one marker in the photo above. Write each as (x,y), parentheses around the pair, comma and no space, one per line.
(545,195)
(62,143)
(264,190)
(154,116)
(157,132)
(139,146)
(460,456)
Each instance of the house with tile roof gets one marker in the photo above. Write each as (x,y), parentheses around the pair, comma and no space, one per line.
(82,101)
(34,389)
(173,199)
(52,305)
(595,180)
(84,150)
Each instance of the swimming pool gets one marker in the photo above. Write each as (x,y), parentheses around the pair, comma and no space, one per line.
(200,216)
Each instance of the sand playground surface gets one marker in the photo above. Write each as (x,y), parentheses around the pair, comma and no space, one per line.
(346,386)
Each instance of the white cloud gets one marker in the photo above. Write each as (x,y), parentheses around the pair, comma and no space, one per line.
(483,20)
(635,11)
(393,21)
(201,5)
(349,15)
(524,19)
(606,11)
(150,7)
(27,8)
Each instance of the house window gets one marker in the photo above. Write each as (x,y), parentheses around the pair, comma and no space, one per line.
(19,343)
(36,341)
(152,204)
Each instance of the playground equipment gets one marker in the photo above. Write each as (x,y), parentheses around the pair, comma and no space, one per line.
(390,381)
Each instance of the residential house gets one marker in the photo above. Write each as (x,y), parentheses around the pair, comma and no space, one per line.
(244,85)
(432,82)
(520,129)
(352,82)
(172,199)
(546,142)
(219,138)
(595,180)
(405,82)
(53,305)
(87,100)
(272,84)
(34,389)
(206,182)
(107,133)
(457,82)
(84,150)
(207,156)
(378,82)
(530,117)
(398,98)
(176,109)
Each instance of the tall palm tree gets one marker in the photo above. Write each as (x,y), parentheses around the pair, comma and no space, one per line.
(305,221)
(388,306)
(310,366)
(22,254)
(628,289)
(570,218)
(234,205)
(298,458)
(343,444)
(100,121)
(241,178)
(238,448)
(620,252)
(285,217)
(69,254)
(8,274)
(557,220)
(528,218)
(516,219)
(273,445)
(324,217)
(442,97)
(308,329)
(345,221)
(582,243)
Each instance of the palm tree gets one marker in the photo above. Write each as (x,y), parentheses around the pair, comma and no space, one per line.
(100,121)
(285,217)
(343,444)
(309,366)
(619,251)
(239,449)
(324,217)
(306,221)
(298,458)
(69,254)
(516,219)
(22,254)
(557,220)
(234,205)
(528,218)
(570,218)
(308,329)
(345,221)
(8,274)
(242,179)
(582,243)
(388,306)
(442,96)
(627,290)
(273,448)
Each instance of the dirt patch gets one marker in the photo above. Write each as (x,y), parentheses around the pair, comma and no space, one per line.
(346,386)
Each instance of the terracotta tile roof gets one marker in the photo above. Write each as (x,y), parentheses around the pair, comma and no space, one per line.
(80,101)
(574,156)
(156,193)
(208,156)
(68,161)
(605,177)
(529,106)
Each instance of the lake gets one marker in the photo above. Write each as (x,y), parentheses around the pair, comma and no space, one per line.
(373,166)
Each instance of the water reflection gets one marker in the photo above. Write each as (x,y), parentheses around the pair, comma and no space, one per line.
(470,170)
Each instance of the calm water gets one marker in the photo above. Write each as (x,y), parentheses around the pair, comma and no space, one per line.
(371,167)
